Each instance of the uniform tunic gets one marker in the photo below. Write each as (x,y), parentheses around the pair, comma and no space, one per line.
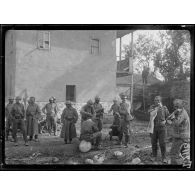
(33,113)
(99,115)
(115,108)
(17,113)
(69,118)
(87,112)
(90,132)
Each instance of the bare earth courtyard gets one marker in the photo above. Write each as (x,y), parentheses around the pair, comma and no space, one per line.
(52,150)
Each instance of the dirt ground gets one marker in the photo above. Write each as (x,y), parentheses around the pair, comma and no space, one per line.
(52,150)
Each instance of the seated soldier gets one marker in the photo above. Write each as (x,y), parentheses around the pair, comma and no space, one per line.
(115,126)
(90,133)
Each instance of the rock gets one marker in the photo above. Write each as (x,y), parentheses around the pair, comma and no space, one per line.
(99,159)
(55,159)
(119,154)
(136,161)
(85,146)
(89,161)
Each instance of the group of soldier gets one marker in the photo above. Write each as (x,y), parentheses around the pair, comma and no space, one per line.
(92,123)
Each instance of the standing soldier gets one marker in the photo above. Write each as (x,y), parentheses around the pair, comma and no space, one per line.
(115,107)
(9,120)
(159,131)
(87,111)
(181,131)
(17,113)
(99,110)
(33,113)
(125,116)
(50,109)
(69,118)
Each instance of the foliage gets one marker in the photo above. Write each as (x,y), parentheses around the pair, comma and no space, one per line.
(173,57)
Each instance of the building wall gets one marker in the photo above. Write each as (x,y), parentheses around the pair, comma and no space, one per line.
(45,73)
(10,63)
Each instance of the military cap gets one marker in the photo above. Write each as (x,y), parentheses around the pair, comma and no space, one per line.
(178,102)
(89,102)
(51,98)
(18,98)
(54,98)
(10,98)
(97,97)
(123,96)
(68,102)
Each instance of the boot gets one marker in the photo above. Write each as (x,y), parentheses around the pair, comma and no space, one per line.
(30,138)
(126,140)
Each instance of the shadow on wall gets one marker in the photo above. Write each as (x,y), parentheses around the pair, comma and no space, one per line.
(90,79)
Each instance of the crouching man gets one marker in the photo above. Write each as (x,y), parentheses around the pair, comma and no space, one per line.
(181,131)
(91,133)
(115,126)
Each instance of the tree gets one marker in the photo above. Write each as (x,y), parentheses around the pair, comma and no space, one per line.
(144,50)
(173,58)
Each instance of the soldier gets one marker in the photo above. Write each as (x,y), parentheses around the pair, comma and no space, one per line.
(87,111)
(126,117)
(33,114)
(99,110)
(90,133)
(50,109)
(17,113)
(9,120)
(159,131)
(181,130)
(115,107)
(69,118)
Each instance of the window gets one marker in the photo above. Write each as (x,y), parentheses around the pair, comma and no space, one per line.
(95,46)
(44,40)
(71,93)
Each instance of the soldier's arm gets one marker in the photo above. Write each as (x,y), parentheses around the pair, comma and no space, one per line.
(75,115)
(62,116)
(43,109)
(38,114)
(166,112)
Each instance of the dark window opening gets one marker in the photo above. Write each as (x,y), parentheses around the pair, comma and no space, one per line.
(95,46)
(71,93)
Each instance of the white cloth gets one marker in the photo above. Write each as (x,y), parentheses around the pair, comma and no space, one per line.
(153,115)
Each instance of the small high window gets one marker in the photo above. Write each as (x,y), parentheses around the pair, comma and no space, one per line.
(43,40)
(95,46)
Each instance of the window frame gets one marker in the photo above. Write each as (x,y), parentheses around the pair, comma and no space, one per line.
(93,46)
(42,37)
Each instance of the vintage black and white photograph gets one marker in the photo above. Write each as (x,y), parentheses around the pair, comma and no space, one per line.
(118,96)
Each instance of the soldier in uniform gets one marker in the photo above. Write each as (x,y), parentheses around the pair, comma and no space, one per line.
(33,114)
(159,131)
(115,107)
(125,118)
(87,111)
(181,131)
(9,120)
(69,118)
(99,110)
(50,109)
(17,113)
(90,133)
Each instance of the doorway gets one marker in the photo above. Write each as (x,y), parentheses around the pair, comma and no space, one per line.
(71,93)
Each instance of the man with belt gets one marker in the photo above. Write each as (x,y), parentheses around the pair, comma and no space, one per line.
(99,110)
(33,114)
(125,118)
(69,118)
(159,131)
(87,111)
(90,133)
(9,120)
(50,109)
(17,113)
